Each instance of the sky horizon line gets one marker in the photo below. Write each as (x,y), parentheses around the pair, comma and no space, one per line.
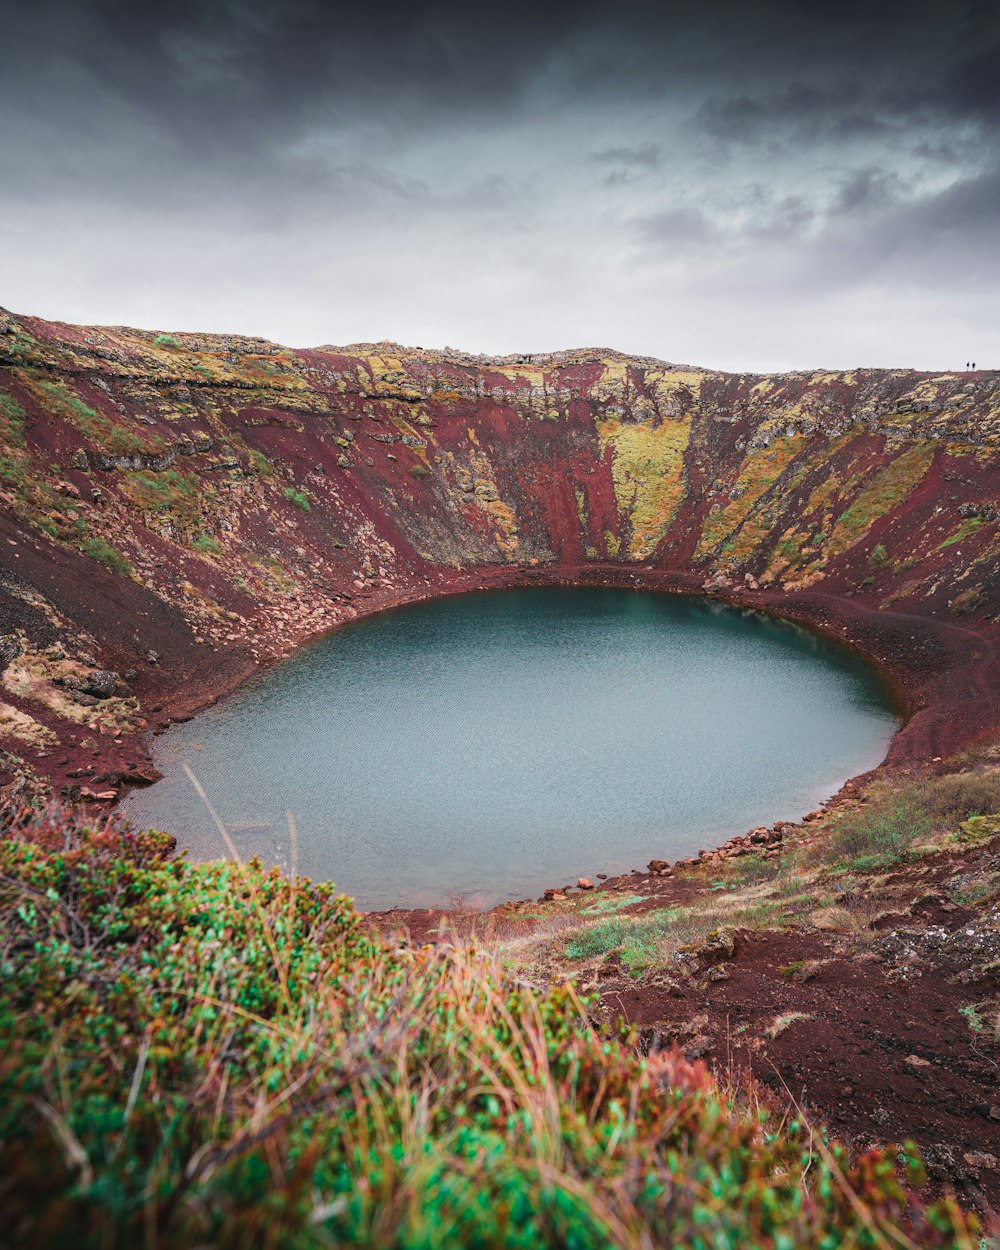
(461,350)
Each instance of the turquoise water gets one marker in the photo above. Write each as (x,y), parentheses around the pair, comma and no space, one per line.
(486,746)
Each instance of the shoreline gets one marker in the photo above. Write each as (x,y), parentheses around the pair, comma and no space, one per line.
(919,685)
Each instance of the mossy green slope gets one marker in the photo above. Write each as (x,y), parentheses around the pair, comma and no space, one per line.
(211,1055)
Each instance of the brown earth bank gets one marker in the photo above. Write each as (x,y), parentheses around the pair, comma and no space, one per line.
(179,510)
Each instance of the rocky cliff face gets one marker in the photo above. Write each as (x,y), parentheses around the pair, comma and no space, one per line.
(180,508)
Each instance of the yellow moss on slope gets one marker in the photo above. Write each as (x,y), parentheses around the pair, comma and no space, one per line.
(17,724)
(477,485)
(33,675)
(761,469)
(646,467)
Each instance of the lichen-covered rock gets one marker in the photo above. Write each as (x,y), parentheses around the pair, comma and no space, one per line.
(102,683)
(10,649)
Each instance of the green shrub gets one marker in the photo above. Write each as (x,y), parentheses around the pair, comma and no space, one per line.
(47,526)
(957,796)
(965,530)
(749,869)
(983,1019)
(298,498)
(203,542)
(65,402)
(607,902)
(879,556)
(597,939)
(165,340)
(173,492)
(21,346)
(637,939)
(882,831)
(13,468)
(789,549)
(897,815)
(881,494)
(99,549)
(12,419)
(108,435)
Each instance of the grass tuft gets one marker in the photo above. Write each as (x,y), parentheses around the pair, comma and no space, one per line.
(100,549)
(297,497)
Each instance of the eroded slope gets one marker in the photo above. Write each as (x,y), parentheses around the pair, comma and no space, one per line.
(179,508)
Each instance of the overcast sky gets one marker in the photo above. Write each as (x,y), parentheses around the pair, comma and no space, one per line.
(764,185)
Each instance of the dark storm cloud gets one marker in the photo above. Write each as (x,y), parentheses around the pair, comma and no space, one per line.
(971,86)
(961,220)
(624,164)
(845,113)
(227,69)
(867,190)
(620,173)
(646,157)
(678,227)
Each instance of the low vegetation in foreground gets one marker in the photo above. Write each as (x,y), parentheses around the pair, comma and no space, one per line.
(217,1055)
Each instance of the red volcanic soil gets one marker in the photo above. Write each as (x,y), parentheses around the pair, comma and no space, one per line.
(883,1052)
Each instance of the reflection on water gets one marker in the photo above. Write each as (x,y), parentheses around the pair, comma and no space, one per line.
(489,745)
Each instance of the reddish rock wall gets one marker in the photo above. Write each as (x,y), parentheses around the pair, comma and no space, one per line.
(180,509)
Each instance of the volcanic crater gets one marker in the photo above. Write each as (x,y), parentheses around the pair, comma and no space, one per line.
(181,510)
